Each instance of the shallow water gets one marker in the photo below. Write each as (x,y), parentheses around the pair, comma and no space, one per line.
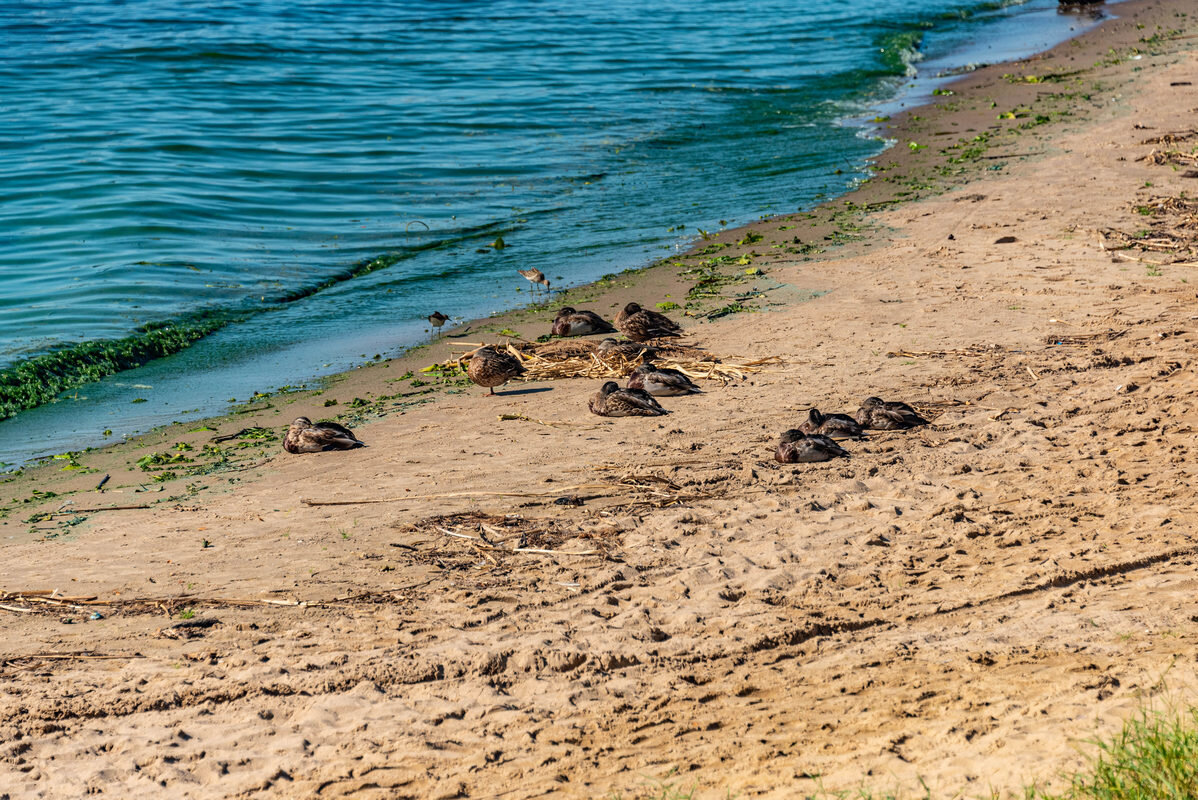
(163,159)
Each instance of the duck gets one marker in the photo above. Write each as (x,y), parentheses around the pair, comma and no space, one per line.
(661,381)
(304,436)
(630,351)
(831,424)
(535,276)
(797,447)
(571,322)
(437,319)
(612,401)
(492,367)
(641,324)
(883,416)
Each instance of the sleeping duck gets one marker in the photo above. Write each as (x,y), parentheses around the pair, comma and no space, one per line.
(571,322)
(641,324)
(797,447)
(306,437)
(831,424)
(883,416)
(612,401)
(660,381)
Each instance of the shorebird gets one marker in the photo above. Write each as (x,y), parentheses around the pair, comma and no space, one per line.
(535,276)
(881,415)
(660,381)
(641,324)
(612,401)
(831,424)
(437,319)
(797,447)
(305,437)
(570,322)
(491,367)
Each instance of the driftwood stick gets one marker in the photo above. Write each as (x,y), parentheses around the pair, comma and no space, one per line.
(556,492)
(556,552)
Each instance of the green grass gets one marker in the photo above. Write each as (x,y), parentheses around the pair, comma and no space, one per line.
(1154,757)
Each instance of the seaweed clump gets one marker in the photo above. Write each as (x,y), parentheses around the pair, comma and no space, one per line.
(40,379)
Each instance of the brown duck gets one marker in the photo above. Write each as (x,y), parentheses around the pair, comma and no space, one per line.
(797,447)
(570,322)
(304,436)
(628,350)
(612,401)
(831,424)
(641,324)
(492,367)
(661,381)
(883,416)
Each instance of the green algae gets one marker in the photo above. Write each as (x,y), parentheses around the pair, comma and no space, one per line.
(42,378)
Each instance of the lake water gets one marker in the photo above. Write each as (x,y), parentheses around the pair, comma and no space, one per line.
(305,181)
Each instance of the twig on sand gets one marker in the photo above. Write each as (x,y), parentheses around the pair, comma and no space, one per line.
(506,417)
(555,493)
(64,511)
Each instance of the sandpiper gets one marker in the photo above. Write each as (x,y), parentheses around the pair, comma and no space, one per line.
(535,276)
(437,319)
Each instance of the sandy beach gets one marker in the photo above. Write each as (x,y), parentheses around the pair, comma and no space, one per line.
(558,604)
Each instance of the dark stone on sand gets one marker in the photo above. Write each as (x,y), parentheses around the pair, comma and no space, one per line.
(1005,240)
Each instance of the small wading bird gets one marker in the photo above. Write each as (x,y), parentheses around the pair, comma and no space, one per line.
(641,324)
(612,401)
(304,436)
(571,322)
(797,447)
(661,381)
(491,367)
(437,319)
(831,424)
(535,276)
(883,416)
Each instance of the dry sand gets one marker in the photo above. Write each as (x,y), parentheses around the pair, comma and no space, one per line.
(964,603)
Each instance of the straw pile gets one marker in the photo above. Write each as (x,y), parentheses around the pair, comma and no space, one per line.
(580,359)
(1163,157)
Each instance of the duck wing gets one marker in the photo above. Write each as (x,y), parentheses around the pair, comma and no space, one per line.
(338,428)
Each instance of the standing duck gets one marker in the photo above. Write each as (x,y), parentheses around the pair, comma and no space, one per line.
(831,424)
(883,416)
(305,437)
(535,276)
(570,322)
(797,447)
(661,381)
(641,324)
(492,367)
(612,401)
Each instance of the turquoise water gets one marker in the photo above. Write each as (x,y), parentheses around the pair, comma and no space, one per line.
(256,161)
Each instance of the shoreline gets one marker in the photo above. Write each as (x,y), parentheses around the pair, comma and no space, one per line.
(946,604)
(175,336)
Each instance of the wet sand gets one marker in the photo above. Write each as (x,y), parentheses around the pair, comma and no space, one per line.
(964,603)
